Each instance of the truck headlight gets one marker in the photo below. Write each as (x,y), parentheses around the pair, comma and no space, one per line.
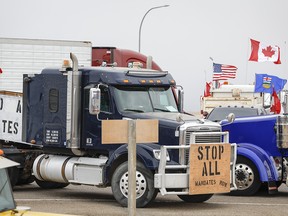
(157,154)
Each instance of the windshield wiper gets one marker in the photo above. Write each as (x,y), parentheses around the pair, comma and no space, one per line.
(134,110)
(163,110)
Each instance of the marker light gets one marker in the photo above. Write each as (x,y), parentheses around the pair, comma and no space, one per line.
(172,81)
(142,81)
(66,64)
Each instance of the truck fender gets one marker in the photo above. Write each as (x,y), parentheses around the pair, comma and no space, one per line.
(144,154)
(261,159)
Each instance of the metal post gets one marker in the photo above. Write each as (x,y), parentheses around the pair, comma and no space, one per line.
(132,167)
(143,20)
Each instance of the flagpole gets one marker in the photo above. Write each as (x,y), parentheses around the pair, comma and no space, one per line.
(216,81)
(216,84)
(247,60)
(247,67)
(285,48)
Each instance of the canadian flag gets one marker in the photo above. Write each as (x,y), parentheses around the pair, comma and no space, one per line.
(261,52)
(207,92)
(276,104)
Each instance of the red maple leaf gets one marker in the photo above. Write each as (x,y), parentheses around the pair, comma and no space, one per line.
(268,52)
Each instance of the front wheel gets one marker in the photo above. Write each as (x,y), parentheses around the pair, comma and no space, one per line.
(145,191)
(246,177)
(195,198)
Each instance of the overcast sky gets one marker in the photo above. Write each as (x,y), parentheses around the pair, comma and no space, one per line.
(180,38)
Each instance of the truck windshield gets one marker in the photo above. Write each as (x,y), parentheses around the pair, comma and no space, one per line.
(145,99)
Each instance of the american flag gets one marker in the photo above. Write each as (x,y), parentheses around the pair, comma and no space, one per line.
(223,72)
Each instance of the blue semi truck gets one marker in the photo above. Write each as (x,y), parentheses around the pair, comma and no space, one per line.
(262,153)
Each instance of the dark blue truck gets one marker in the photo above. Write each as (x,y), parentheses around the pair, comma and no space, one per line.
(57,116)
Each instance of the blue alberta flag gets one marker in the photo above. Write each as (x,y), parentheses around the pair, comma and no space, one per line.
(266,83)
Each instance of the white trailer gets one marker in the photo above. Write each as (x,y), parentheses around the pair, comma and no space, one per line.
(24,56)
(233,95)
(27,56)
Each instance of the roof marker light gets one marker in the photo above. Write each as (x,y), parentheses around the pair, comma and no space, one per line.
(65,65)
(172,81)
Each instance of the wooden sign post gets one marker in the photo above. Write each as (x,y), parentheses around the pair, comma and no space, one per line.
(130,132)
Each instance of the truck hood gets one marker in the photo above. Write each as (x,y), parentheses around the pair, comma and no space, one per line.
(171,118)
(170,124)
(168,116)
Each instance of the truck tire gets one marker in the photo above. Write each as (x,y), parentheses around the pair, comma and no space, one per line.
(195,198)
(247,178)
(50,185)
(28,180)
(145,191)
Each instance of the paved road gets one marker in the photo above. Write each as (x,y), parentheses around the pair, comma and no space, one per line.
(93,201)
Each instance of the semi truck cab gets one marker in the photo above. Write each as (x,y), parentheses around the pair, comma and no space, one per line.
(60,114)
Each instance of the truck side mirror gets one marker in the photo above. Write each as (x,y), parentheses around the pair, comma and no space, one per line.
(94,101)
(231,117)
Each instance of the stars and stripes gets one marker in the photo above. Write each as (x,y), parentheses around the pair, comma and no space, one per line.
(223,72)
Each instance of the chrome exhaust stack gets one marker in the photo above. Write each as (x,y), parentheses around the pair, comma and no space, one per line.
(149,62)
(74,107)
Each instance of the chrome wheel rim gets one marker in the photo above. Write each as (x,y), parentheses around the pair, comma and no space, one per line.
(141,184)
(244,176)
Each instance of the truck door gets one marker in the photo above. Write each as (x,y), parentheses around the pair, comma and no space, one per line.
(91,125)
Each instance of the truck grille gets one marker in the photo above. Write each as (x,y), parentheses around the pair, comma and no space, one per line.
(201,139)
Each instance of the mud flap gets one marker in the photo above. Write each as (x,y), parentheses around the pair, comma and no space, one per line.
(272,187)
